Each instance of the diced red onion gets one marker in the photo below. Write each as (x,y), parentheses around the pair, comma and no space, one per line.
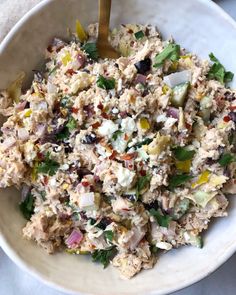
(41,129)
(24,192)
(74,238)
(21,106)
(81,60)
(136,238)
(140,79)
(23,134)
(177,78)
(173,112)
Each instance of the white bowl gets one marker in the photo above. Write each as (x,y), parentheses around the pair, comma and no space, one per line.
(201,27)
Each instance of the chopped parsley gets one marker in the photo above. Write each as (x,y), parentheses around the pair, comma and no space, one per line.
(170,52)
(183,154)
(142,183)
(139,35)
(218,72)
(116,134)
(27,206)
(64,134)
(104,256)
(226,159)
(178,180)
(144,142)
(91,49)
(72,123)
(105,83)
(48,166)
(108,235)
(162,219)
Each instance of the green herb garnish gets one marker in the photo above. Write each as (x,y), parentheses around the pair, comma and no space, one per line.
(139,35)
(162,219)
(226,159)
(104,256)
(105,83)
(177,180)
(64,134)
(142,183)
(218,72)
(170,52)
(48,166)
(91,50)
(72,123)
(108,235)
(53,70)
(116,134)
(27,206)
(43,195)
(144,142)
(154,250)
(183,154)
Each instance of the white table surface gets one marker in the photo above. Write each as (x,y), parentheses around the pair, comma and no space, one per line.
(14,281)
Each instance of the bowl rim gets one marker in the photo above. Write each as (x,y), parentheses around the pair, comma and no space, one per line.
(9,250)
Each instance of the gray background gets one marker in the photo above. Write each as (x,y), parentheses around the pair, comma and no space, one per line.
(13,281)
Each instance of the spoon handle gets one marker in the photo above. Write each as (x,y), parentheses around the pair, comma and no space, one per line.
(104,19)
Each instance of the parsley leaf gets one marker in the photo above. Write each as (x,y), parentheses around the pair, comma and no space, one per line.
(108,235)
(48,166)
(116,134)
(91,49)
(72,123)
(105,83)
(177,180)
(27,206)
(162,220)
(170,52)
(142,182)
(226,159)
(104,256)
(218,72)
(144,142)
(64,134)
(139,35)
(183,154)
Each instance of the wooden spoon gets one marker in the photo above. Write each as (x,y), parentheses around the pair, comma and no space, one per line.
(105,50)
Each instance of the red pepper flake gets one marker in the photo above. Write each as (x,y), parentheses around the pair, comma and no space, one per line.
(142,172)
(66,90)
(50,49)
(85,183)
(45,180)
(232,108)
(130,166)
(188,126)
(105,116)
(74,110)
(40,156)
(113,155)
(141,164)
(96,125)
(70,72)
(100,106)
(126,137)
(226,119)
(128,157)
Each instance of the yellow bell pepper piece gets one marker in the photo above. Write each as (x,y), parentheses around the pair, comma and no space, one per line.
(174,66)
(203,178)
(66,59)
(165,89)
(183,166)
(144,124)
(28,113)
(81,32)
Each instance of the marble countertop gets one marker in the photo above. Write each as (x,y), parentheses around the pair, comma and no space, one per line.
(14,281)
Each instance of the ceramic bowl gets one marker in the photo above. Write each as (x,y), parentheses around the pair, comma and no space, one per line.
(198,25)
